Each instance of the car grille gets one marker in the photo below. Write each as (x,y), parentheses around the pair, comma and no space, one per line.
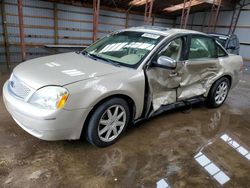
(18,88)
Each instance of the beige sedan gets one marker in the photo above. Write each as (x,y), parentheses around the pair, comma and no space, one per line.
(125,77)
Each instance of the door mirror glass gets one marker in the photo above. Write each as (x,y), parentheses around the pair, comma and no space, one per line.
(166,62)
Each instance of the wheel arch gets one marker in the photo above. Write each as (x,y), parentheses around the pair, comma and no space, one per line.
(210,96)
(229,77)
(129,100)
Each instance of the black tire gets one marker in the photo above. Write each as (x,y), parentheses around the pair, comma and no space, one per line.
(211,98)
(91,133)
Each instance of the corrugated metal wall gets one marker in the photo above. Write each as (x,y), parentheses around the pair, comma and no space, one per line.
(199,21)
(74,26)
(242,30)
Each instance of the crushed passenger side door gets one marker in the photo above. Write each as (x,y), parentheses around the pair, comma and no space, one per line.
(199,70)
(163,82)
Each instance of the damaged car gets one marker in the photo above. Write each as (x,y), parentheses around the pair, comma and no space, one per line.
(125,77)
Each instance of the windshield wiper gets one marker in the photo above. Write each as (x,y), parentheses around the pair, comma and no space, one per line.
(101,58)
(89,55)
(85,53)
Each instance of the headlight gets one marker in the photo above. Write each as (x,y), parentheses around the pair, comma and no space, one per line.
(49,97)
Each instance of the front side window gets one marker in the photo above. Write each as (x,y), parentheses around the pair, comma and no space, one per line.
(173,49)
(202,48)
(125,48)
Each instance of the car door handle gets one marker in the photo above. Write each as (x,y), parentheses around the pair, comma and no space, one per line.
(173,74)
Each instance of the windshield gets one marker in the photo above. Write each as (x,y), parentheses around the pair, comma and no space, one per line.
(124,48)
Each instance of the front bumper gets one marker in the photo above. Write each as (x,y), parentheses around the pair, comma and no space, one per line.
(45,124)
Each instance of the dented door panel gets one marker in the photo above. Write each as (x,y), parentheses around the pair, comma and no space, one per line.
(163,84)
(196,76)
(193,76)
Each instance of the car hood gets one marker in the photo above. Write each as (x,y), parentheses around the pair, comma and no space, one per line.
(61,69)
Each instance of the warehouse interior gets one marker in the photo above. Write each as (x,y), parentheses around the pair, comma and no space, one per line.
(162,152)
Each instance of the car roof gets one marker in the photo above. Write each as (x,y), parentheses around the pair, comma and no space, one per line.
(163,30)
(218,35)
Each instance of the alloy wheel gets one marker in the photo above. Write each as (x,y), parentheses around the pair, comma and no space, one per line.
(112,123)
(221,93)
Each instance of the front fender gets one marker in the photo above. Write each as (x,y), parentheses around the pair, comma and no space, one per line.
(88,93)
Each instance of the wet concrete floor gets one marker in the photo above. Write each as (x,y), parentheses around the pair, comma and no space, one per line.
(201,148)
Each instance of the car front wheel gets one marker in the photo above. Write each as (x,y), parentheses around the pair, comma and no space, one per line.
(108,122)
(218,93)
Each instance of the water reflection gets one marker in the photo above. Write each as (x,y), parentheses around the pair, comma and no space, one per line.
(236,145)
(215,120)
(162,184)
(109,162)
(167,159)
(214,171)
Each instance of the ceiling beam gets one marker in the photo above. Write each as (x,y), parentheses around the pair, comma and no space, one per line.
(139,2)
(180,6)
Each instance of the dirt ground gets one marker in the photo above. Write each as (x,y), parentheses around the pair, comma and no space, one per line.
(160,152)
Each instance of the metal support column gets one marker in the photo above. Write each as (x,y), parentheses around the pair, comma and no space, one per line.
(127,17)
(55,24)
(235,17)
(153,19)
(192,22)
(21,29)
(174,23)
(213,18)
(96,10)
(204,21)
(5,35)
(185,13)
(148,11)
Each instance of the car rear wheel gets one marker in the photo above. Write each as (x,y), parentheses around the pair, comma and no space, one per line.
(108,122)
(218,93)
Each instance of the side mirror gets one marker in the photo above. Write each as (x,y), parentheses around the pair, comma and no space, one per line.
(165,62)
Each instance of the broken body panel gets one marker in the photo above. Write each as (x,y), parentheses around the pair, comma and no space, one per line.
(191,78)
(194,78)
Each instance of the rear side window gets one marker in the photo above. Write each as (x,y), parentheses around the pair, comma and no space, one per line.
(222,41)
(202,48)
(221,52)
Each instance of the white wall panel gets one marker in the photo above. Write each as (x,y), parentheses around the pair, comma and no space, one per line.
(76,16)
(244,51)
(243,34)
(74,33)
(244,18)
(38,31)
(225,18)
(41,4)
(79,9)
